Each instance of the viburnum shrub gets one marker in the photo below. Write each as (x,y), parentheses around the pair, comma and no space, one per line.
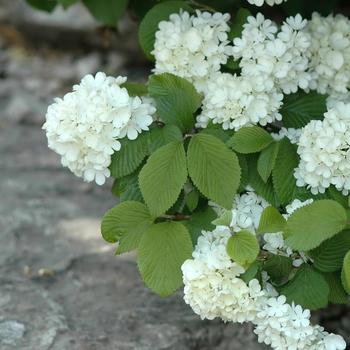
(232,163)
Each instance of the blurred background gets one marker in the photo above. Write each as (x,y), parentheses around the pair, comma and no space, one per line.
(61,288)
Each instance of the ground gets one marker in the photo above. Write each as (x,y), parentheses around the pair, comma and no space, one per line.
(61,287)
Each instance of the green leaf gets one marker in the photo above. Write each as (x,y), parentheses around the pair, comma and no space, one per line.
(162,251)
(106,11)
(329,256)
(308,288)
(176,99)
(44,5)
(163,177)
(149,24)
(263,189)
(221,134)
(312,224)
(271,220)
(300,108)
(224,220)
(129,157)
(345,273)
(125,218)
(267,160)
(243,248)
(159,137)
(337,293)
(200,221)
(238,22)
(127,188)
(251,272)
(192,199)
(243,163)
(135,89)
(278,267)
(67,3)
(214,169)
(283,178)
(250,139)
(337,196)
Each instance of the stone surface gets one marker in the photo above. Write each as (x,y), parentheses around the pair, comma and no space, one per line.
(61,287)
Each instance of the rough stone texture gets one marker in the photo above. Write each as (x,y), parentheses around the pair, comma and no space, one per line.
(61,288)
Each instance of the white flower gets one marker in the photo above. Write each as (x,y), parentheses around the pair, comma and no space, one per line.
(324,150)
(277,57)
(85,125)
(214,289)
(329,53)
(192,47)
(292,134)
(246,211)
(234,102)
(269,2)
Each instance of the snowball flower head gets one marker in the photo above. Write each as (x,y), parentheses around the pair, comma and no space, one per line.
(84,126)
(192,47)
(275,55)
(235,102)
(324,150)
(269,2)
(329,53)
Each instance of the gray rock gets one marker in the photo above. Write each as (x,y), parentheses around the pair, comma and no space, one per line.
(11,332)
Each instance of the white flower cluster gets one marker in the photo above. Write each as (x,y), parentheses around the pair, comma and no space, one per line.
(85,125)
(213,289)
(275,55)
(246,211)
(235,101)
(269,2)
(192,47)
(329,53)
(324,150)
(290,133)
(274,242)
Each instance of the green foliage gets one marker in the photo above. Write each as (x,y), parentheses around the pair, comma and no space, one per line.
(67,3)
(163,177)
(159,137)
(271,221)
(213,168)
(44,5)
(308,288)
(176,100)
(192,200)
(129,157)
(199,221)
(283,178)
(263,189)
(162,251)
(345,273)
(298,109)
(337,294)
(329,256)
(106,11)
(250,139)
(312,224)
(239,20)
(127,218)
(135,89)
(149,24)
(243,247)
(224,220)
(278,267)
(267,160)
(251,272)
(127,188)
